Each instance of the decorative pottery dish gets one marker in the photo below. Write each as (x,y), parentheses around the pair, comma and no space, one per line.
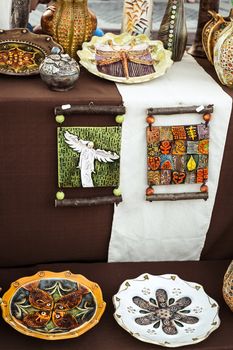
(228,286)
(165,310)
(52,305)
(22,52)
(124,58)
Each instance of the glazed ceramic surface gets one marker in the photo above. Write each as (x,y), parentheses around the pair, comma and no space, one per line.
(21,52)
(125,58)
(212,31)
(165,310)
(223,56)
(53,305)
(137,17)
(228,286)
(59,71)
(173,29)
(70,23)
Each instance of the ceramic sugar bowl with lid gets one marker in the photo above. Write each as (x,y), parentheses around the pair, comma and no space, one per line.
(59,71)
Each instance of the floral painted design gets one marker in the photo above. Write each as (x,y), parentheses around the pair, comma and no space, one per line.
(164,311)
(18,59)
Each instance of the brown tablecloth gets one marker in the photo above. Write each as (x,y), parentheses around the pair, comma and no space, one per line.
(32,229)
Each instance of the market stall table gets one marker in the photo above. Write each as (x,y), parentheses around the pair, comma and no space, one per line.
(37,236)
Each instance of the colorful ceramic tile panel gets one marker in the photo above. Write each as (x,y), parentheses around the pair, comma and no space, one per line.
(89,156)
(177,154)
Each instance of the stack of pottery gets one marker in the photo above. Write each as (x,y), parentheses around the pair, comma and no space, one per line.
(217,41)
(228,286)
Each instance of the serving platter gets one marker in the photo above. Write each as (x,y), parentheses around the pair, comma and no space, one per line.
(125,58)
(53,306)
(165,310)
(21,52)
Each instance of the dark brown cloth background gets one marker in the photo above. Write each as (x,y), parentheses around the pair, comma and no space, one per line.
(32,229)
(37,236)
(38,231)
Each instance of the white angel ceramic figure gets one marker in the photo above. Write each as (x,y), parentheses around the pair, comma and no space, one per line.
(87,157)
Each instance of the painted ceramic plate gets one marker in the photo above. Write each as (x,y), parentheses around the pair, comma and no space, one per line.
(124,58)
(21,52)
(53,306)
(165,310)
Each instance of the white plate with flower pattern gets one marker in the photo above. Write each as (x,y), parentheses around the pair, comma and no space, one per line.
(165,310)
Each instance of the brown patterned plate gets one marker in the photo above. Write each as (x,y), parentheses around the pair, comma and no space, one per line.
(53,306)
(21,52)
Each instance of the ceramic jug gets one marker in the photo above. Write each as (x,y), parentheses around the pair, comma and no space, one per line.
(228,286)
(173,30)
(137,17)
(223,56)
(70,23)
(212,30)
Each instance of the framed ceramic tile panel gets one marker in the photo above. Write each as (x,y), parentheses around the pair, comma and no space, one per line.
(177,154)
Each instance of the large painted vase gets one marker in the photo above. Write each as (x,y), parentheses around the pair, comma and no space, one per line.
(223,56)
(70,23)
(228,286)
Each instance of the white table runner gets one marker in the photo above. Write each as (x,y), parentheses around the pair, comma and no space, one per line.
(162,231)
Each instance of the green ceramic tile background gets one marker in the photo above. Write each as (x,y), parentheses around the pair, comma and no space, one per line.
(105,138)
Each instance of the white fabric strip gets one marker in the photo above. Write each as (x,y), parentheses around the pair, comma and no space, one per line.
(162,231)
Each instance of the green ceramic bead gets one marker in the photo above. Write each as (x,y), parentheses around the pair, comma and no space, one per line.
(60,195)
(119,119)
(60,118)
(117,192)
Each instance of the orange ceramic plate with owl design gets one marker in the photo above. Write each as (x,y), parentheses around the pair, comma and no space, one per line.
(53,305)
